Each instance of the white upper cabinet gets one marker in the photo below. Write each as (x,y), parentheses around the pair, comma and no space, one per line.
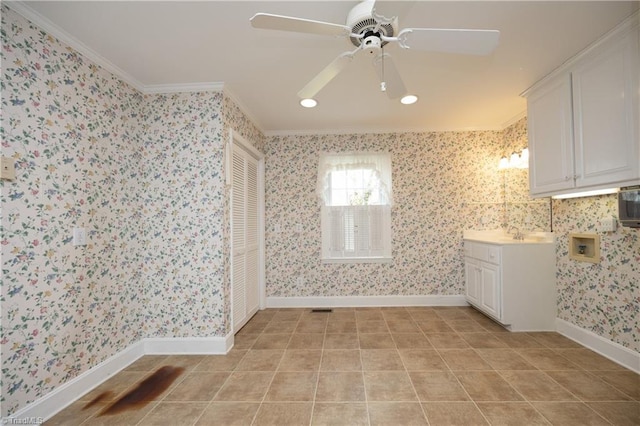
(583,119)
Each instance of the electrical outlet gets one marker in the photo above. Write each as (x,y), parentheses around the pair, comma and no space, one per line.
(608,224)
(8,168)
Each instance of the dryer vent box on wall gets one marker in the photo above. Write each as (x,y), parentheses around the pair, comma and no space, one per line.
(584,247)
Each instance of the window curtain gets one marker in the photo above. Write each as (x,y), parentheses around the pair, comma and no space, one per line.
(380,163)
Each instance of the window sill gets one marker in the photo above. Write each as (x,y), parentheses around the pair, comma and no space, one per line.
(357,260)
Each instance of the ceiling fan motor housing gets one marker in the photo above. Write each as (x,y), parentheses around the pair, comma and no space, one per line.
(361,22)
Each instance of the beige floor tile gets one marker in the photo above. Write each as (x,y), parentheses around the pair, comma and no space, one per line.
(519,340)
(280,327)
(312,325)
(451,313)
(272,341)
(505,359)
(341,360)
(446,340)
(341,341)
(226,362)
(75,414)
(284,413)
(466,326)
(340,387)
(463,359)
(369,315)
(434,326)
(292,386)
(300,360)
(376,341)
(264,315)
(114,386)
(260,360)
(396,413)
(483,340)
(174,414)
(511,414)
(372,326)
(253,327)
(586,386)
(425,315)
(453,414)
(618,413)
(128,417)
(554,340)
(589,360)
(625,381)
(188,362)
(198,386)
(392,314)
(340,414)
(244,341)
(411,341)
(422,360)
(546,359)
(388,386)
(287,315)
(403,326)
(146,363)
(491,326)
(487,386)
(437,386)
(306,341)
(229,414)
(346,314)
(245,386)
(342,327)
(537,386)
(569,414)
(381,359)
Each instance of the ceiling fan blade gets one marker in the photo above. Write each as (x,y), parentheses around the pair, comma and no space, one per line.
(389,76)
(325,76)
(268,21)
(469,42)
(387,10)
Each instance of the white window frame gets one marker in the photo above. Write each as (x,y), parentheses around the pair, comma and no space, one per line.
(371,240)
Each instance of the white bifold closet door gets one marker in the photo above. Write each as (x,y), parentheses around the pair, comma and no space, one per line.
(244,237)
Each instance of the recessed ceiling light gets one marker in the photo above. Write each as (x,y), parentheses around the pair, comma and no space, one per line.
(308,103)
(409,99)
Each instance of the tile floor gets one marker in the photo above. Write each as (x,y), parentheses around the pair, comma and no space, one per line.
(373,366)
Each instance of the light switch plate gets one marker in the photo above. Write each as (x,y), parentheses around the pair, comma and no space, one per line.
(8,168)
(608,224)
(79,236)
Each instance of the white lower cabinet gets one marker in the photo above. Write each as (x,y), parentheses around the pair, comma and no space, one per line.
(513,283)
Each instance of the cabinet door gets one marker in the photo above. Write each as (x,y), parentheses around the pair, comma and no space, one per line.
(472,280)
(605,103)
(491,289)
(551,137)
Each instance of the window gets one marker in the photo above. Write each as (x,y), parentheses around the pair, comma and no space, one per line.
(355,194)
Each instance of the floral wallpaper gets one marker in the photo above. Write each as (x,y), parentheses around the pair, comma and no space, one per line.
(143,174)
(443,183)
(604,297)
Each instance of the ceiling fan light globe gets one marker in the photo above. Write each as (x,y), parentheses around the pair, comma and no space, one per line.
(308,103)
(409,99)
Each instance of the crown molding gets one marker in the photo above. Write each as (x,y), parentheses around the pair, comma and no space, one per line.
(513,120)
(245,110)
(153,89)
(377,131)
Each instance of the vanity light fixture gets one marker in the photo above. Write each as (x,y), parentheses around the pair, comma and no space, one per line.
(517,160)
(308,103)
(409,99)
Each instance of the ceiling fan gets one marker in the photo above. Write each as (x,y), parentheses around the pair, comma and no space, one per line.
(370,25)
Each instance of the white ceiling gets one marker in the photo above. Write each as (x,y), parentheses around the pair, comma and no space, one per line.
(151,44)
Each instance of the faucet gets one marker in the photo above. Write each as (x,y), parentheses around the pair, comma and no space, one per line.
(518,235)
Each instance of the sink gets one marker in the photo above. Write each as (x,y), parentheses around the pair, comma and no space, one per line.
(499,236)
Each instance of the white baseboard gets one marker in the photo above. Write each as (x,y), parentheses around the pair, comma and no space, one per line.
(363,301)
(188,345)
(61,397)
(615,352)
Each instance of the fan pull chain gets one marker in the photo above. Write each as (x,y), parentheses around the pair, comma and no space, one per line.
(383,84)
